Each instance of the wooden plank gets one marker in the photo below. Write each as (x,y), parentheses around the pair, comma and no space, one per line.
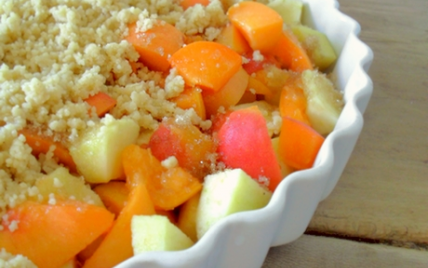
(319,252)
(382,194)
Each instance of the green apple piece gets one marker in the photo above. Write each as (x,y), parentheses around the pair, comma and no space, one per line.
(289,10)
(157,233)
(317,44)
(225,193)
(324,102)
(285,170)
(61,183)
(97,153)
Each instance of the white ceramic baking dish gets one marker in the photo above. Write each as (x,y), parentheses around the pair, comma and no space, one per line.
(243,239)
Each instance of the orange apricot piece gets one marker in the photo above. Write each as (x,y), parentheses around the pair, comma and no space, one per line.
(260,25)
(113,194)
(208,65)
(185,4)
(191,97)
(227,96)
(156,44)
(41,143)
(101,102)
(51,235)
(291,54)
(232,38)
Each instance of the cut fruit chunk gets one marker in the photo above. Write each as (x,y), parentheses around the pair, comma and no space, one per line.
(191,97)
(157,233)
(101,102)
(232,38)
(259,24)
(97,152)
(62,184)
(289,10)
(187,216)
(156,44)
(113,194)
(317,45)
(208,65)
(324,102)
(192,148)
(298,144)
(51,235)
(227,96)
(225,193)
(244,142)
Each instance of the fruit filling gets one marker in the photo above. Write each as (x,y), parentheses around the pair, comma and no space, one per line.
(129,127)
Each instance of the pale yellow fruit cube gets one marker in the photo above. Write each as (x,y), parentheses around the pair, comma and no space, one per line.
(157,233)
(97,153)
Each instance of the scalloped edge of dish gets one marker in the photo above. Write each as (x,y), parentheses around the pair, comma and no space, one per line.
(243,239)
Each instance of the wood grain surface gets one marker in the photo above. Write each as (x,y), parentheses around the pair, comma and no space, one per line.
(382,195)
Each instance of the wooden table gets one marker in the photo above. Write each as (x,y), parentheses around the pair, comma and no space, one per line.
(377,216)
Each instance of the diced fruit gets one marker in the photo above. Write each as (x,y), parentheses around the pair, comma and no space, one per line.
(298,144)
(324,102)
(193,149)
(232,38)
(317,45)
(90,249)
(208,65)
(185,4)
(225,193)
(168,188)
(101,102)
(187,217)
(62,184)
(51,235)
(285,170)
(290,53)
(40,144)
(293,102)
(163,235)
(113,194)
(227,96)
(191,97)
(97,152)
(156,44)
(244,142)
(268,110)
(275,79)
(117,245)
(259,24)
(259,88)
(289,10)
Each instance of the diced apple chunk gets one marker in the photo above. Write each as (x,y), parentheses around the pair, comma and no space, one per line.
(97,153)
(157,233)
(324,102)
(317,45)
(225,193)
(61,183)
(289,10)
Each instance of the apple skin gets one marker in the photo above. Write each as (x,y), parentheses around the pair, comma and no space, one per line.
(225,193)
(244,142)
